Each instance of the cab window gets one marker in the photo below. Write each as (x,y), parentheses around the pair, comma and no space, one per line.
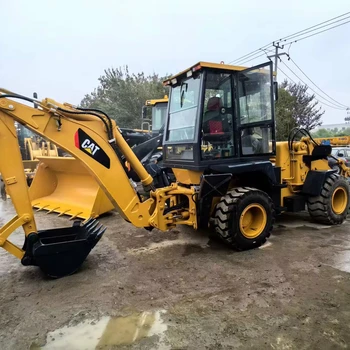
(217,123)
(183,110)
(255,110)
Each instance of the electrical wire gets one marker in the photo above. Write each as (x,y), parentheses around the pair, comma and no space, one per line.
(289,78)
(309,30)
(340,104)
(322,31)
(246,61)
(287,38)
(333,105)
(251,53)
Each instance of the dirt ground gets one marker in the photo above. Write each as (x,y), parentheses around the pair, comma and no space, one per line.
(179,290)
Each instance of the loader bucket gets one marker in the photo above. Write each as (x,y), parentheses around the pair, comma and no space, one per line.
(61,251)
(63,185)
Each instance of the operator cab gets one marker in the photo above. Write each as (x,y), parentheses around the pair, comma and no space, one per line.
(158,110)
(219,114)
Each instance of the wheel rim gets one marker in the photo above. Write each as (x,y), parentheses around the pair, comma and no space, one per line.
(339,200)
(253,220)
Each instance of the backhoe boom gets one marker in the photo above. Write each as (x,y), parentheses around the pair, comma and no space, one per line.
(93,138)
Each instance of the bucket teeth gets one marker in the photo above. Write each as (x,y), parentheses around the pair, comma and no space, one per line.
(92,227)
(90,223)
(94,234)
(94,231)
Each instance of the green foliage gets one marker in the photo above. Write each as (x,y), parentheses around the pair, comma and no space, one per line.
(285,121)
(331,132)
(122,94)
(307,111)
(295,108)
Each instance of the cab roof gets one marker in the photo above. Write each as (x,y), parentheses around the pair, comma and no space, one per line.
(200,65)
(155,101)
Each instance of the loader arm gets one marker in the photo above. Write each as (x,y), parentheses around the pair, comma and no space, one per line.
(96,141)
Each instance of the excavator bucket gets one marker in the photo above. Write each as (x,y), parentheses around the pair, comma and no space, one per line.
(63,185)
(60,252)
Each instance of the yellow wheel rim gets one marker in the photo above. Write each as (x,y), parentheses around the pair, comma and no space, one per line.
(253,220)
(339,200)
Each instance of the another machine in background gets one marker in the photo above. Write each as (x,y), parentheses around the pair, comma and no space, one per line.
(154,115)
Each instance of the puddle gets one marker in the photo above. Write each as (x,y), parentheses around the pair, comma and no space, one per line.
(108,331)
(342,261)
(154,247)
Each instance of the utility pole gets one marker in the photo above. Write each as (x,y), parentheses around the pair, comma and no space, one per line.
(277,46)
(276,56)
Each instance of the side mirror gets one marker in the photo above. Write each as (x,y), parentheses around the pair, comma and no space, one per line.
(275,89)
(340,154)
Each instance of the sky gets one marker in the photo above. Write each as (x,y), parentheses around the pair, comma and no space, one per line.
(60,48)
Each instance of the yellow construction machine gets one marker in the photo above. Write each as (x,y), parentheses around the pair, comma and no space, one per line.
(154,115)
(235,187)
(335,141)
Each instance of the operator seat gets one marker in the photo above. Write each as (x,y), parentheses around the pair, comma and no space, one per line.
(216,128)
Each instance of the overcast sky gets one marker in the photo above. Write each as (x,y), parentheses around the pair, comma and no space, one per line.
(60,48)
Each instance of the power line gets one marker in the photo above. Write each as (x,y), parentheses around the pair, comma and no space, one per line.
(313,30)
(314,26)
(289,78)
(340,104)
(309,36)
(259,54)
(251,53)
(332,103)
(331,106)
(300,33)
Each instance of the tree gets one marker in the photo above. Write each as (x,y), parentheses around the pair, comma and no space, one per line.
(295,108)
(122,94)
(322,133)
(285,121)
(307,112)
(331,133)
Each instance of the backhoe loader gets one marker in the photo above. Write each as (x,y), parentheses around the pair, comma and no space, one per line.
(235,186)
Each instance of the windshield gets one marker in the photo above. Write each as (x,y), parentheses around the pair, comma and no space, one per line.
(158,115)
(183,110)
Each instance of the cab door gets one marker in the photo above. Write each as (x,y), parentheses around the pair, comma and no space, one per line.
(255,111)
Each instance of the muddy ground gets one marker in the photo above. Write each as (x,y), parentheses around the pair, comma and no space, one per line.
(178,290)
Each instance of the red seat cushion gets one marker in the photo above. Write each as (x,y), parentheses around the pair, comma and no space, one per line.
(215,127)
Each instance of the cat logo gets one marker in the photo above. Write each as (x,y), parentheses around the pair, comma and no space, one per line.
(90,147)
(86,143)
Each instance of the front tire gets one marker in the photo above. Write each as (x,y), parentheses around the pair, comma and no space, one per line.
(332,205)
(337,168)
(244,218)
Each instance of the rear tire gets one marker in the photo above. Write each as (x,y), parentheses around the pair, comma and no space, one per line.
(332,205)
(244,218)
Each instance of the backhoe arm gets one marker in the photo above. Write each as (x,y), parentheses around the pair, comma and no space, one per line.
(93,138)
(85,137)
